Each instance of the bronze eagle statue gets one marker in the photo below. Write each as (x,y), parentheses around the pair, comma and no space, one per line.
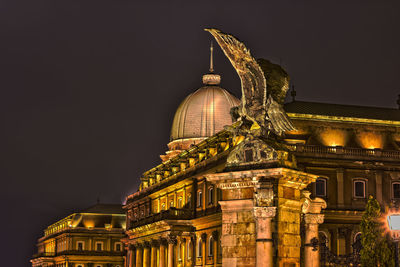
(256,106)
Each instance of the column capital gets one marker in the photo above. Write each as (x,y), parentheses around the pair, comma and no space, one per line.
(155,243)
(264,212)
(171,239)
(146,244)
(131,247)
(311,218)
(203,237)
(162,241)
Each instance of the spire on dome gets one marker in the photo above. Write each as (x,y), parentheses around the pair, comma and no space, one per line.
(211,78)
(211,58)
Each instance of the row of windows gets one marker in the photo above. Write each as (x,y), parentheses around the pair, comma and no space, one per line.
(210,197)
(359,188)
(189,200)
(99,246)
(199,248)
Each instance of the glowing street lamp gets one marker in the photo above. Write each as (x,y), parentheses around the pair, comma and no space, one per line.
(394,226)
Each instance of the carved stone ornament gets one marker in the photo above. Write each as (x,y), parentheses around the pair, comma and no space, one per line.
(252,151)
(313,218)
(172,239)
(264,197)
(264,212)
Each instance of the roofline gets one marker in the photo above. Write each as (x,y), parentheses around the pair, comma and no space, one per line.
(343,119)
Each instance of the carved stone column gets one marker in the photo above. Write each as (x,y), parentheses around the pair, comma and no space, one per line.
(311,252)
(153,259)
(171,244)
(146,254)
(139,255)
(162,252)
(215,247)
(131,260)
(203,248)
(264,242)
(312,218)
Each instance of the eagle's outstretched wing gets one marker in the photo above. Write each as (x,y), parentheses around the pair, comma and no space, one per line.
(251,75)
(278,118)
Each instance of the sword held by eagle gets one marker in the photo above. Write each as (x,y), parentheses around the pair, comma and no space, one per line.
(257,105)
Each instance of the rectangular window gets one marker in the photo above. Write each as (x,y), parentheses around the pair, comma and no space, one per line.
(80,245)
(199,199)
(320,187)
(359,188)
(117,246)
(396,190)
(99,246)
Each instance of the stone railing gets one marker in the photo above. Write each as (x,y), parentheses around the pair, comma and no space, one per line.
(348,151)
(170,214)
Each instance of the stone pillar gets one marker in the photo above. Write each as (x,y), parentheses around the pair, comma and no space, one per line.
(171,253)
(215,247)
(139,255)
(340,187)
(153,258)
(378,186)
(131,261)
(264,242)
(238,233)
(183,251)
(311,251)
(162,252)
(203,249)
(146,254)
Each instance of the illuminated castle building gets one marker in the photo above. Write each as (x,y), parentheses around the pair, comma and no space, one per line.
(200,208)
(90,238)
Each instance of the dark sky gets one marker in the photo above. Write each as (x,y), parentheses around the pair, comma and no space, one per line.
(89,88)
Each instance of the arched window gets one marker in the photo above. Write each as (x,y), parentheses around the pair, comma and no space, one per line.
(163,206)
(199,199)
(396,190)
(210,246)
(199,248)
(189,249)
(210,196)
(323,238)
(189,201)
(171,204)
(357,237)
(320,187)
(180,203)
(359,188)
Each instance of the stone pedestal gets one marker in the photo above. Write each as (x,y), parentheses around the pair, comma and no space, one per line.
(250,199)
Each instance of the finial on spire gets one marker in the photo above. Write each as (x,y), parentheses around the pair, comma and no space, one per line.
(211,58)
(293,93)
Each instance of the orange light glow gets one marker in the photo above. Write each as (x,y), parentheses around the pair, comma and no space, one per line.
(333,137)
(370,140)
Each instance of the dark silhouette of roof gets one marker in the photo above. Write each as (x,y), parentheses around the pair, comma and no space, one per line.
(343,110)
(105,209)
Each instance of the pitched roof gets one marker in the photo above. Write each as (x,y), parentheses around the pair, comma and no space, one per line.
(350,111)
(105,209)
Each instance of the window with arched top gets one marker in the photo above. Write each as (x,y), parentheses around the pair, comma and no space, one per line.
(321,187)
(199,248)
(323,238)
(189,201)
(180,203)
(210,196)
(210,246)
(396,190)
(199,199)
(359,188)
(163,206)
(357,237)
(171,203)
(189,249)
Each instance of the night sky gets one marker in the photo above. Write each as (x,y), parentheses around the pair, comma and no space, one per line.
(89,88)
